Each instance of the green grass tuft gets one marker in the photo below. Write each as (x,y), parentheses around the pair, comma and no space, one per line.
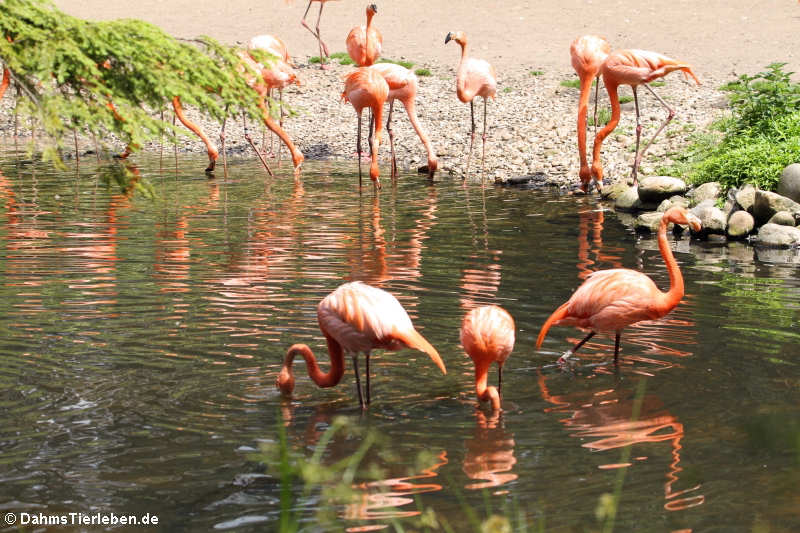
(625,99)
(422,72)
(507,89)
(406,64)
(536,72)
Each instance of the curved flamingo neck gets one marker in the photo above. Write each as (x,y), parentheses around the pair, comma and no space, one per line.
(583,106)
(322,379)
(485,392)
(673,296)
(597,166)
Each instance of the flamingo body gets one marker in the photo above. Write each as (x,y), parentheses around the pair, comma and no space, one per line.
(609,300)
(403,86)
(487,335)
(587,54)
(355,318)
(364,43)
(365,87)
(272,44)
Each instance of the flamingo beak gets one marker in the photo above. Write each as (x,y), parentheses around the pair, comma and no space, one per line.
(448,38)
(374,8)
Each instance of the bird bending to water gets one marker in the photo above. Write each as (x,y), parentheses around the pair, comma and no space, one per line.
(487,335)
(634,68)
(323,48)
(475,77)
(354,318)
(403,86)
(365,87)
(587,54)
(364,42)
(609,300)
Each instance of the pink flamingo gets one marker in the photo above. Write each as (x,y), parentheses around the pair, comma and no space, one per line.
(403,86)
(365,87)
(323,48)
(487,335)
(354,318)
(634,68)
(587,53)
(272,44)
(609,300)
(475,77)
(364,42)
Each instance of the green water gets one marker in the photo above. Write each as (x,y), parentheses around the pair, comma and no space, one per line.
(141,338)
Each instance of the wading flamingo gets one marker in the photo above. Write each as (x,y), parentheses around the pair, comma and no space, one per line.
(487,335)
(364,42)
(609,300)
(365,87)
(354,318)
(323,48)
(634,68)
(587,53)
(475,77)
(403,86)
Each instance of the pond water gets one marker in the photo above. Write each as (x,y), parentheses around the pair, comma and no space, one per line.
(141,338)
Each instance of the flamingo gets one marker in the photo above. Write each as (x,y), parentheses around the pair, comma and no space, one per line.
(475,77)
(634,68)
(487,335)
(365,87)
(364,42)
(587,53)
(272,44)
(609,300)
(323,48)
(403,86)
(354,318)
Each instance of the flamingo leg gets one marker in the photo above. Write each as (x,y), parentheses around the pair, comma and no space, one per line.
(596,92)
(472,138)
(358,381)
(391,138)
(638,136)
(358,150)
(670,116)
(368,393)
(570,353)
(280,120)
(499,378)
(616,347)
(483,138)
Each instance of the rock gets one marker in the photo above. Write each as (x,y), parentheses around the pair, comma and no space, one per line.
(706,191)
(612,192)
(673,201)
(629,201)
(648,221)
(654,189)
(767,203)
(783,218)
(711,217)
(740,224)
(745,197)
(789,185)
(777,235)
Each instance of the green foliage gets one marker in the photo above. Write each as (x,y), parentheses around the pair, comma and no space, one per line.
(343,57)
(536,72)
(111,77)
(625,99)
(507,89)
(603,116)
(314,60)
(406,64)
(422,72)
(571,84)
(758,100)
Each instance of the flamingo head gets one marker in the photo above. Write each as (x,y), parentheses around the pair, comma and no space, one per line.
(679,215)
(285,381)
(586,178)
(596,174)
(433,165)
(372,9)
(457,36)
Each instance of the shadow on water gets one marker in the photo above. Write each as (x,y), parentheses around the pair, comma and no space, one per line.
(145,319)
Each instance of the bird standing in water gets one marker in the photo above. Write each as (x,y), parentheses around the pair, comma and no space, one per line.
(611,299)
(487,335)
(475,77)
(354,318)
(365,87)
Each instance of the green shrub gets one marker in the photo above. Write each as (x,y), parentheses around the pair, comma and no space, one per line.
(758,100)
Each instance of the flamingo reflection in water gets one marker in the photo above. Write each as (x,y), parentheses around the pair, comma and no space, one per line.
(607,416)
(490,454)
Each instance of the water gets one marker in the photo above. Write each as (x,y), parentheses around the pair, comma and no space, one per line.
(141,338)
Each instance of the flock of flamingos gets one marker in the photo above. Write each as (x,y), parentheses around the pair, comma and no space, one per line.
(358,318)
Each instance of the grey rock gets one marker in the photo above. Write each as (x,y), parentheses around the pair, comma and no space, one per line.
(746,197)
(777,235)
(629,201)
(654,189)
(789,185)
(711,217)
(768,203)
(706,191)
(648,221)
(784,218)
(740,224)
(612,192)
(671,202)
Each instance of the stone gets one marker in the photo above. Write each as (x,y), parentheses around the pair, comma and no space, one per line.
(711,217)
(740,224)
(783,218)
(629,201)
(671,202)
(654,189)
(746,197)
(768,203)
(789,185)
(777,235)
(648,221)
(612,192)
(706,191)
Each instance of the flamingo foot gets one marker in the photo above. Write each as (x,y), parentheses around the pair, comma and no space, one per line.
(324,66)
(566,358)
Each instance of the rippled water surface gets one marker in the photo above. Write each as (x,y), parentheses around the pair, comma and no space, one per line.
(141,338)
